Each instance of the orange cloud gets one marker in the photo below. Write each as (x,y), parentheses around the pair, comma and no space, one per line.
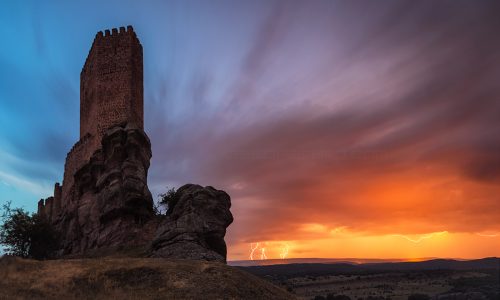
(374,150)
(393,246)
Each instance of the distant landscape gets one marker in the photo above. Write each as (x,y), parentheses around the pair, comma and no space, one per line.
(267,262)
(430,279)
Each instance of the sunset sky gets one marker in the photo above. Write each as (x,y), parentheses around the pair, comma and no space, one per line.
(366,129)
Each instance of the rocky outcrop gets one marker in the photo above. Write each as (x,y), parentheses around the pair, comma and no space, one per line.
(109,202)
(110,206)
(195,225)
(104,201)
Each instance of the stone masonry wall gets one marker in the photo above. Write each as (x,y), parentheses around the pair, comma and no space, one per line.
(111,83)
(76,158)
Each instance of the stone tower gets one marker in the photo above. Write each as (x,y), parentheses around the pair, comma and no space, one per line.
(104,193)
(104,204)
(111,83)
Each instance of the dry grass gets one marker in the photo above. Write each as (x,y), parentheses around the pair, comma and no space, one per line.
(396,286)
(130,278)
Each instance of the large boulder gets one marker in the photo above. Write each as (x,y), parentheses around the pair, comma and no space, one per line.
(110,200)
(195,225)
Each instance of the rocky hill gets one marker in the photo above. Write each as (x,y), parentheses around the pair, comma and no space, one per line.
(130,278)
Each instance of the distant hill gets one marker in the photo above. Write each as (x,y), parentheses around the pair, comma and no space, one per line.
(267,262)
(437,264)
(318,269)
(130,278)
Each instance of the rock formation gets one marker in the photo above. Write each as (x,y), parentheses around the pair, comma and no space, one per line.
(104,201)
(111,200)
(195,225)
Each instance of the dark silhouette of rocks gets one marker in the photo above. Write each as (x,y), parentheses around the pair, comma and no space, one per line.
(195,226)
(104,202)
(110,201)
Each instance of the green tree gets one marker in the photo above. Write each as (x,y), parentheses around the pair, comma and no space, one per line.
(168,200)
(26,235)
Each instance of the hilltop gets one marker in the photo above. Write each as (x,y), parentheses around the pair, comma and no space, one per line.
(130,278)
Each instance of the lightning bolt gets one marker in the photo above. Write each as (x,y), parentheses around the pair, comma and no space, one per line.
(252,249)
(258,250)
(284,251)
(488,235)
(421,238)
(263,253)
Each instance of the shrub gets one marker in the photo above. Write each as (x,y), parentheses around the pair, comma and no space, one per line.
(26,235)
(169,199)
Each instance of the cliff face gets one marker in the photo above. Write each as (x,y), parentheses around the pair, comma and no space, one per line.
(110,206)
(195,226)
(109,202)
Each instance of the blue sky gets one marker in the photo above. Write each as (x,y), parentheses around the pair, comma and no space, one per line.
(44,46)
(198,57)
(365,117)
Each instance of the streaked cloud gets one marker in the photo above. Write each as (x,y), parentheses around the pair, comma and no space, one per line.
(326,121)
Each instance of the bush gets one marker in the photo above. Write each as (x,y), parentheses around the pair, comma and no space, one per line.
(26,235)
(168,200)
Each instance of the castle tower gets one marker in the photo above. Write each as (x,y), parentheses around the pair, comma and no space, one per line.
(102,184)
(111,83)
(111,93)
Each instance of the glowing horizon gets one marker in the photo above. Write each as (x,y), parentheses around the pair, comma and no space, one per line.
(274,249)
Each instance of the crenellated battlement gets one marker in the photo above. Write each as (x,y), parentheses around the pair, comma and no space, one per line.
(115,31)
(51,206)
(111,36)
